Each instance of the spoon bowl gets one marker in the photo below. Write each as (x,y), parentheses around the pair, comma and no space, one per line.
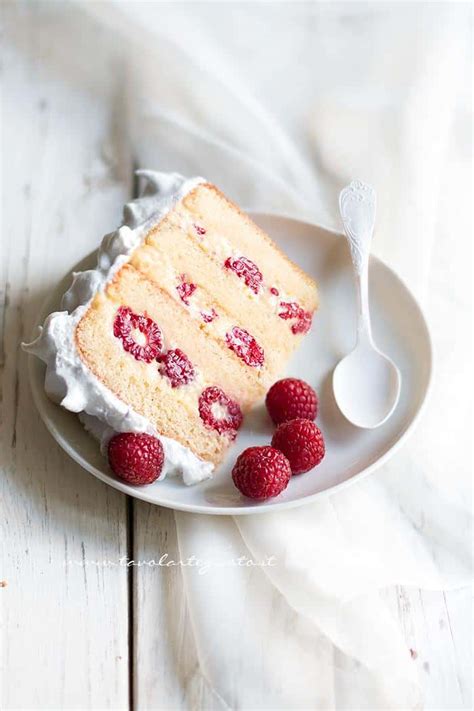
(366,386)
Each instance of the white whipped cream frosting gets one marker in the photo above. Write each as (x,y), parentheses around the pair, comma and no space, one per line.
(68,381)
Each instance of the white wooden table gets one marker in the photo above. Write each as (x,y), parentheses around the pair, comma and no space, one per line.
(80,628)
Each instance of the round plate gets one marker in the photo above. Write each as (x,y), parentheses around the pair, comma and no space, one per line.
(399,329)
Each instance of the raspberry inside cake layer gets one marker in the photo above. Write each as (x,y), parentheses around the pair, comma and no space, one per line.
(227,271)
(199,323)
(126,351)
(212,359)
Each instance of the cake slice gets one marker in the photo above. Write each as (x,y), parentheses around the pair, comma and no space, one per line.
(191,314)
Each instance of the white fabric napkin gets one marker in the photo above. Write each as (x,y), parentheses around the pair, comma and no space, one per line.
(282,104)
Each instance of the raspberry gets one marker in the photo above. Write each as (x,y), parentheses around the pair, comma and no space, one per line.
(209,316)
(219,412)
(261,472)
(246,270)
(293,311)
(290,310)
(303,324)
(245,346)
(136,458)
(301,442)
(290,398)
(127,323)
(185,290)
(274,291)
(177,367)
(200,230)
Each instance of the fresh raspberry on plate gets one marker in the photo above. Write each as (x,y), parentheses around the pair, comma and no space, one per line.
(302,444)
(290,398)
(137,458)
(261,472)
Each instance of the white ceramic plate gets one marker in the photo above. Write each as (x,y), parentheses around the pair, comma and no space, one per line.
(399,329)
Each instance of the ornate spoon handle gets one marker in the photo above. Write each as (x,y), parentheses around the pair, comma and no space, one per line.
(357,204)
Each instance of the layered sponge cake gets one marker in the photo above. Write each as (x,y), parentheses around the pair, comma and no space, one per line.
(191,315)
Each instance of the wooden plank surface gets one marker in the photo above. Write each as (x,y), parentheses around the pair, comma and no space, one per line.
(165,659)
(65,612)
(437,627)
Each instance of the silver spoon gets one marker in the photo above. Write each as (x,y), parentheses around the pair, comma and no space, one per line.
(366,382)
